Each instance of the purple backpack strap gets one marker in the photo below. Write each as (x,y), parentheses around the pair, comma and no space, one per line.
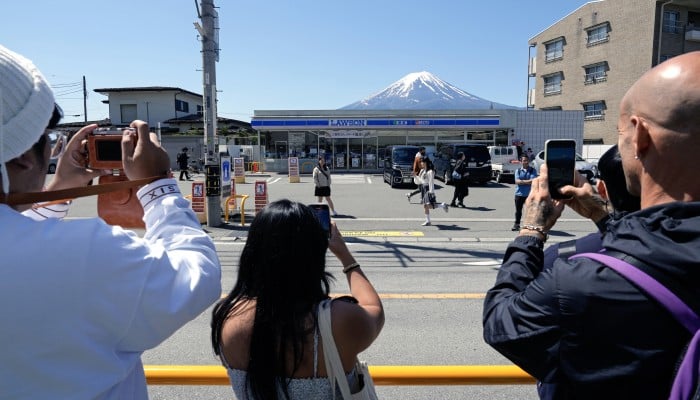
(684,384)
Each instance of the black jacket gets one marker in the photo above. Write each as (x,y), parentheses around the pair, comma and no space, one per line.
(585,330)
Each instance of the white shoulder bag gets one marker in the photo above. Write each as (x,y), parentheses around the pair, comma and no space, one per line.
(334,368)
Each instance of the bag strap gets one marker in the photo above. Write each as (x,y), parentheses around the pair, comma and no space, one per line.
(683,314)
(688,371)
(71,193)
(334,367)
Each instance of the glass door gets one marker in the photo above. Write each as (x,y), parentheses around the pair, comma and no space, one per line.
(355,153)
(340,154)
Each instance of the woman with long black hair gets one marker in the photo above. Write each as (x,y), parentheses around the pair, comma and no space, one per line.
(322,182)
(266,330)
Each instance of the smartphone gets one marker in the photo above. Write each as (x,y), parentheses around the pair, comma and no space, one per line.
(324,216)
(560,157)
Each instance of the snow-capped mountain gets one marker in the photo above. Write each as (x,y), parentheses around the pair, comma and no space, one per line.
(423,91)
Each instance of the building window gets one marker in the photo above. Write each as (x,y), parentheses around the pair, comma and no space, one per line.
(594,110)
(554,50)
(552,108)
(127,113)
(671,23)
(200,109)
(552,84)
(182,106)
(595,73)
(665,57)
(599,34)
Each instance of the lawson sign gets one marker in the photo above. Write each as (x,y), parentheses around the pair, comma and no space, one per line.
(357,123)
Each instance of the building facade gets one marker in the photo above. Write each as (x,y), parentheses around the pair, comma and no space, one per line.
(588,59)
(355,140)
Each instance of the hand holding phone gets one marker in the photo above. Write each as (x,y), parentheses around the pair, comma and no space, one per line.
(560,157)
(324,216)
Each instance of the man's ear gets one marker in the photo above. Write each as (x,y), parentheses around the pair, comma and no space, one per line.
(602,190)
(641,137)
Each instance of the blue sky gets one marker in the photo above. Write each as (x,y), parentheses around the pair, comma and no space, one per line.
(277,54)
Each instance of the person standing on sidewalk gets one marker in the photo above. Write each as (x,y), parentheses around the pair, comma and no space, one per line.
(461,184)
(322,182)
(183,164)
(523,182)
(426,176)
(416,169)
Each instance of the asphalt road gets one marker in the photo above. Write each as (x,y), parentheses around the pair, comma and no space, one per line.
(432,279)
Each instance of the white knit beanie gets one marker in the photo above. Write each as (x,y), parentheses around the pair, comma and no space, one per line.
(26,106)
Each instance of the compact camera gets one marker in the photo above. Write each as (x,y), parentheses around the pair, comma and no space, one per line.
(105,148)
(120,207)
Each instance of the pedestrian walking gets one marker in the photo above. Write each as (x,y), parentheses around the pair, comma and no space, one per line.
(523,182)
(183,163)
(322,184)
(426,177)
(414,172)
(460,181)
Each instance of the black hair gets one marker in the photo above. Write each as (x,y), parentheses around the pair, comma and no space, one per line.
(324,166)
(283,269)
(428,163)
(460,155)
(610,172)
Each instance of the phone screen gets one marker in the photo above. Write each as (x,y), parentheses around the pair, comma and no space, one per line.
(324,216)
(560,156)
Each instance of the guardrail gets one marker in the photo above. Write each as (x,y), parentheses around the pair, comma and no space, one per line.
(391,375)
(243,198)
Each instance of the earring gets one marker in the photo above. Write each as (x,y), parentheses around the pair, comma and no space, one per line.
(636,157)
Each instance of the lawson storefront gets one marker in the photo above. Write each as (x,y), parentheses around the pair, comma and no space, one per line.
(354,140)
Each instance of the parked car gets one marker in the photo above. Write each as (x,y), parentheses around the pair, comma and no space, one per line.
(582,166)
(504,163)
(477,159)
(398,165)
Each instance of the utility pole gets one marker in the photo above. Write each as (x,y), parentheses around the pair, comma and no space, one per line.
(84,99)
(209,34)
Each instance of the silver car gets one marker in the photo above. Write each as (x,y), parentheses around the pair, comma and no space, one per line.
(582,166)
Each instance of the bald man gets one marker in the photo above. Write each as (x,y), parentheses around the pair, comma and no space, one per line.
(580,328)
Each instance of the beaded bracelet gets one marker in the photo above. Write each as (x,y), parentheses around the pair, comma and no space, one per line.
(350,267)
(537,229)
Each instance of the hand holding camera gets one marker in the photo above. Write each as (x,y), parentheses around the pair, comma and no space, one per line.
(143,157)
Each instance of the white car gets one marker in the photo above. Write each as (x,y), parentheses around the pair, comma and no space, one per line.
(582,166)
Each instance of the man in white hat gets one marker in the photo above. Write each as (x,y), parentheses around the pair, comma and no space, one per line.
(81,300)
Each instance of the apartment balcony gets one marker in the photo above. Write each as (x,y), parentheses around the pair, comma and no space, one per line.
(692,34)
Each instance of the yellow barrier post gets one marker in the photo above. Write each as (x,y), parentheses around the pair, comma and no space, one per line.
(243,198)
(391,375)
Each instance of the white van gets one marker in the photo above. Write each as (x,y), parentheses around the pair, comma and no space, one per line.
(504,163)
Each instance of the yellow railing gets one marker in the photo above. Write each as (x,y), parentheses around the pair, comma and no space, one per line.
(244,197)
(392,375)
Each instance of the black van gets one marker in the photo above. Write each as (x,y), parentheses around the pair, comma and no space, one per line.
(398,165)
(477,158)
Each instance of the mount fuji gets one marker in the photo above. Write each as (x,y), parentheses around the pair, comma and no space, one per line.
(423,91)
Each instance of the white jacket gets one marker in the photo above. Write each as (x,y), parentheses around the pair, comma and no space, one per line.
(81,300)
(427,178)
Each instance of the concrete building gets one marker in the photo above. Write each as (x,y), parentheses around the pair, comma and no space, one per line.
(588,59)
